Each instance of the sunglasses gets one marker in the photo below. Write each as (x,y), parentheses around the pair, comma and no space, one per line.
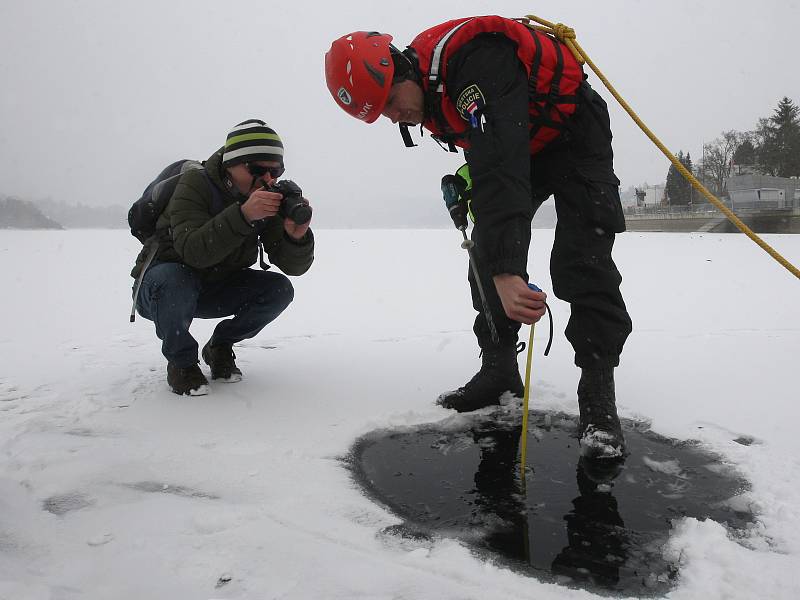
(260,171)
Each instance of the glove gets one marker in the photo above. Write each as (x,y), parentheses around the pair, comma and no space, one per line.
(457,192)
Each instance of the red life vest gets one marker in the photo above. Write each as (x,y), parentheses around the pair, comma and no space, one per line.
(553,76)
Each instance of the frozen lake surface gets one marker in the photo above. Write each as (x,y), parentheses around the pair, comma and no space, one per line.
(111,486)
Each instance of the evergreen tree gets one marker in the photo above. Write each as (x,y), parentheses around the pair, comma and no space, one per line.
(688,190)
(678,188)
(671,187)
(745,154)
(779,136)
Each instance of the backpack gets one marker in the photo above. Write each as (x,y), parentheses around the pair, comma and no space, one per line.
(144,213)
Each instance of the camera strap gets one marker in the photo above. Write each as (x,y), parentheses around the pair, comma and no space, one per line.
(261,262)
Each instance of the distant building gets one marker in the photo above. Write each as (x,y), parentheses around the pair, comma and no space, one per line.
(654,195)
(763,192)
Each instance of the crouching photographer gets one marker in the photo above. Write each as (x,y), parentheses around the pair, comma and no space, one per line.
(219,221)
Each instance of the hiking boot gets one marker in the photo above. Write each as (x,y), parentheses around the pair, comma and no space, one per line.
(221,360)
(188,381)
(498,374)
(600,431)
(598,471)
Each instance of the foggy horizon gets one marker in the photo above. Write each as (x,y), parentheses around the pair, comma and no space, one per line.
(101,96)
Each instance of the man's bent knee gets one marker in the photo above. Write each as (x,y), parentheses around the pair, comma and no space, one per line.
(277,291)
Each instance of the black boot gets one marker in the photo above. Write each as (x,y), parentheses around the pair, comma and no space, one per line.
(600,430)
(188,381)
(221,360)
(499,373)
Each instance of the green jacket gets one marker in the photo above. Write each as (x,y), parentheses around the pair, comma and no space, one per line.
(194,231)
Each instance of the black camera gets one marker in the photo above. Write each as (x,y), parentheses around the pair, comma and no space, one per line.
(293,205)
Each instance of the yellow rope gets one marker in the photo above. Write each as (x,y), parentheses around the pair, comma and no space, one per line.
(567,35)
(526,396)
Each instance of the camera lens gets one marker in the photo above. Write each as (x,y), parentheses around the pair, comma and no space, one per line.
(299,211)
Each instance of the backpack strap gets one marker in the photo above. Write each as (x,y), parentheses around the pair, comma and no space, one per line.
(150,256)
(545,103)
(217,202)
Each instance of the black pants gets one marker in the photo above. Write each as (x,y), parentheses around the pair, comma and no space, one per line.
(577,169)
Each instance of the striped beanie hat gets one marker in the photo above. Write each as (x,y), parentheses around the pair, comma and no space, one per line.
(252,140)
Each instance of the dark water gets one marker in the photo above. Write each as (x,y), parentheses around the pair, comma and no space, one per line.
(572,523)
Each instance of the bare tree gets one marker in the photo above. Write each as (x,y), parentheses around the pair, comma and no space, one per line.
(718,158)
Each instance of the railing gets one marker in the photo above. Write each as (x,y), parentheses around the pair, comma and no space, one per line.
(670,212)
(703,211)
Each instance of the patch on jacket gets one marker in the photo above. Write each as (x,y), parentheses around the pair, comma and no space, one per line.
(470,103)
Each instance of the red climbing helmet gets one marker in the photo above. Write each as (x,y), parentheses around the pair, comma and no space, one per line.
(359,70)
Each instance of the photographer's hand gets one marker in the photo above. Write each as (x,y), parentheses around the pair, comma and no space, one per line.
(260,205)
(294,230)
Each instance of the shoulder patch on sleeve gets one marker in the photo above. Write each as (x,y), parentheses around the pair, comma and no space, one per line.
(470,102)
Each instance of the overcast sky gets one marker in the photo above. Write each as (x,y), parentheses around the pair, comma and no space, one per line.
(97,96)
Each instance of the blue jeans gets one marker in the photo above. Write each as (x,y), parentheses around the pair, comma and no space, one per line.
(173,294)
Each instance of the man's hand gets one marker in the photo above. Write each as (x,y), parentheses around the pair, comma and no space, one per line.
(519,301)
(295,231)
(260,205)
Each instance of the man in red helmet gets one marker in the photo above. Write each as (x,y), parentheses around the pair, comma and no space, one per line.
(517,102)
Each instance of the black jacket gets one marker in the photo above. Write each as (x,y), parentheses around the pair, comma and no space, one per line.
(499,156)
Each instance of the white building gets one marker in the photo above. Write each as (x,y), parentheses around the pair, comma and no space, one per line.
(654,194)
(763,192)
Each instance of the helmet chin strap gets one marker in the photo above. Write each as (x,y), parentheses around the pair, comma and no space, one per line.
(404,133)
(405,65)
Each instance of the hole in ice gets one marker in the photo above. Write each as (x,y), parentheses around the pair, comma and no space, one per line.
(572,522)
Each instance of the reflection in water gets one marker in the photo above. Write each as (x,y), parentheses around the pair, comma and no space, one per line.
(591,524)
(596,540)
(596,534)
(498,491)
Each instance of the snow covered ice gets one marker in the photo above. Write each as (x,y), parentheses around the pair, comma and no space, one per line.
(112,486)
